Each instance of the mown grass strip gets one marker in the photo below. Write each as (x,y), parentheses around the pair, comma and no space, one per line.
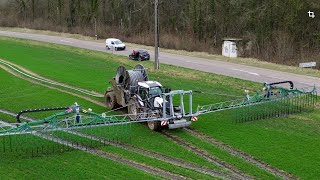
(237,162)
(69,165)
(85,139)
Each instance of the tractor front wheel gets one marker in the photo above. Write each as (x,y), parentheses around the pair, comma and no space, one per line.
(154,125)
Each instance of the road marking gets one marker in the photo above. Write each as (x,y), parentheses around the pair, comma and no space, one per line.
(66,41)
(195,63)
(252,73)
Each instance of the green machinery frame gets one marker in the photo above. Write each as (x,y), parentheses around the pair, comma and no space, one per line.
(78,126)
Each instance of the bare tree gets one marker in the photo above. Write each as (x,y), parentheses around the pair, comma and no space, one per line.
(185,24)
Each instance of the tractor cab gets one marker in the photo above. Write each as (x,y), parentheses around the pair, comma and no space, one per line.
(150,92)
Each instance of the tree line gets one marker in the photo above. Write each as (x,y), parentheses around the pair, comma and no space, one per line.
(273,30)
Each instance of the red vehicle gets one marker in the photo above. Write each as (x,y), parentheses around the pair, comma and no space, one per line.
(139,55)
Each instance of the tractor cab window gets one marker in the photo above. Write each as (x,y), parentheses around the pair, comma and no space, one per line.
(143,92)
(149,92)
(155,91)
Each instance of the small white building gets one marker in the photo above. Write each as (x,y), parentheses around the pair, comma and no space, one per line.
(229,47)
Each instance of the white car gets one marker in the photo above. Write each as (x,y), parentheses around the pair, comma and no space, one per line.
(116,44)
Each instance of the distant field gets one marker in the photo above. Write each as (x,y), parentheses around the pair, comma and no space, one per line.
(291,144)
(246,61)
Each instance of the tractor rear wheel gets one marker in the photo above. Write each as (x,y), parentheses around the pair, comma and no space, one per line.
(133,109)
(111,101)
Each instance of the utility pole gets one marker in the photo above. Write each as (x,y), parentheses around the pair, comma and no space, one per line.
(95,28)
(156,34)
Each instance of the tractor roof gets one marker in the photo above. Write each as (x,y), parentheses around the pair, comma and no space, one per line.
(148,84)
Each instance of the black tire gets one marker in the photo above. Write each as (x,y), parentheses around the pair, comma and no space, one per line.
(133,109)
(154,125)
(111,101)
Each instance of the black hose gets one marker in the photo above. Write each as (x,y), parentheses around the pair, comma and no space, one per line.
(39,110)
(283,82)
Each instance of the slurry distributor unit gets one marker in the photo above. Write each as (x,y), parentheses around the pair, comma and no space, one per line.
(147,101)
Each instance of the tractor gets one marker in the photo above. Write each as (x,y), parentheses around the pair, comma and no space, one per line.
(147,99)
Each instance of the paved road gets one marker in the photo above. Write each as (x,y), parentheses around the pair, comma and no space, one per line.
(218,67)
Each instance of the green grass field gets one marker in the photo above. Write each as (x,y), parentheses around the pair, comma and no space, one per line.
(159,143)
(68,165)
(291,144)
